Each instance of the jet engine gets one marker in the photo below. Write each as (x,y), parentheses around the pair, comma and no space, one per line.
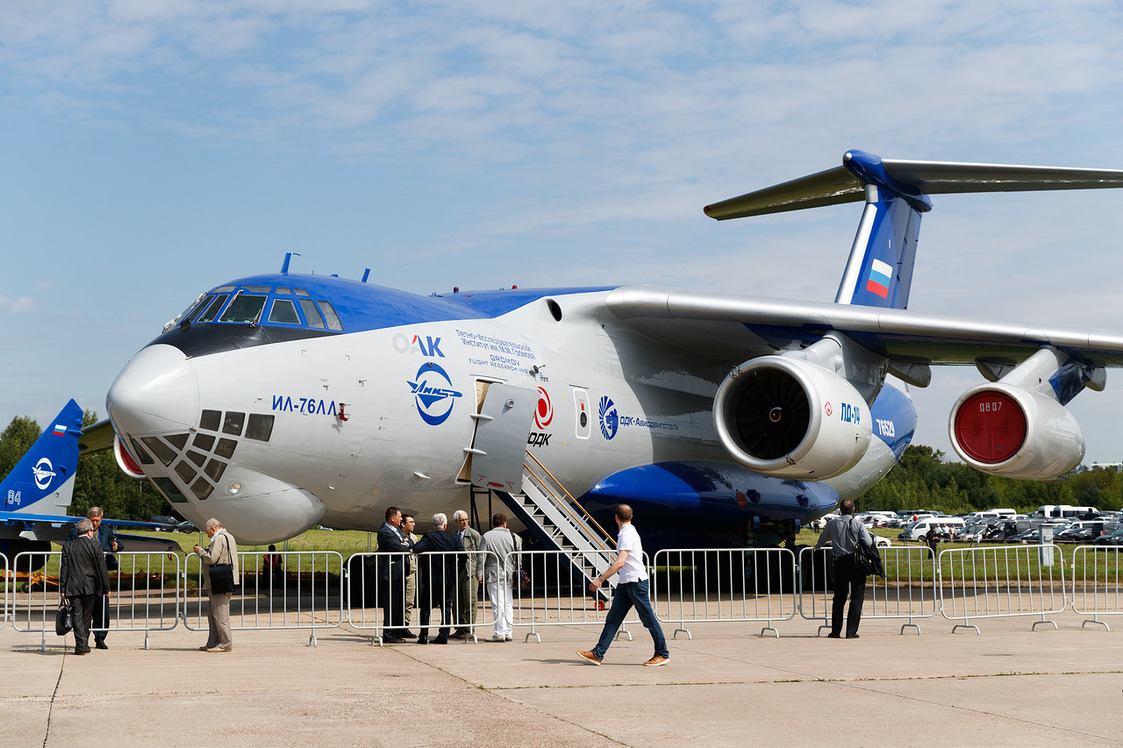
(1017,424)
(788,418)
(1005,430)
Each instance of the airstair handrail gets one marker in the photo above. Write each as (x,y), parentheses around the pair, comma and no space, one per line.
(584,519)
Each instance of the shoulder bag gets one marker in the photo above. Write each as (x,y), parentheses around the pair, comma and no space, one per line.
(222,575)
(867,559)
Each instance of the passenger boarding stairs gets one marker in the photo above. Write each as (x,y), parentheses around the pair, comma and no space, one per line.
(551,512)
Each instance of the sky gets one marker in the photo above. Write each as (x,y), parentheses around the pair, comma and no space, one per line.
(152,149)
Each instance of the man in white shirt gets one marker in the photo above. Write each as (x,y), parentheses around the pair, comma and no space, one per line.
(632,590)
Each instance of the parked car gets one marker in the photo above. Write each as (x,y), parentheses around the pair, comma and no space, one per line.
(170,523)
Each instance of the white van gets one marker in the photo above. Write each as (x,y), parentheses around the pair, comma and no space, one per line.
(992,514)
(944,525)
(1063,511)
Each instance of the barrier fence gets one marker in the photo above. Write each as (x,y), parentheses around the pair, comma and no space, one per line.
(1001,581)
(9,580)
(557,594)
(724,586)
(313,590)
(907,591)
(273,590)
(388,592)
(1100,588)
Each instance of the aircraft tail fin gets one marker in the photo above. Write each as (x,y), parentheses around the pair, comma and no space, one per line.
(43,480)
(879,271)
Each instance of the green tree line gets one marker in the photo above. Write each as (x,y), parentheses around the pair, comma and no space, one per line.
(99,481)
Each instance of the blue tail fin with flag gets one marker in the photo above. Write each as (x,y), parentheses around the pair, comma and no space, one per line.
(43,480)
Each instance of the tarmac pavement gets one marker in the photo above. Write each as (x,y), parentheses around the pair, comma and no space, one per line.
(726,686)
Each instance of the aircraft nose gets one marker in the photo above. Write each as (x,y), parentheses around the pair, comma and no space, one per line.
(155,393)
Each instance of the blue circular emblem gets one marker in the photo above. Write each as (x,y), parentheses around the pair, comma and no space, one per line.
(609,419)
(433,393)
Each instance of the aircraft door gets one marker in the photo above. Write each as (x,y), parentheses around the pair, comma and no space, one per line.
(582,416)
(501,433)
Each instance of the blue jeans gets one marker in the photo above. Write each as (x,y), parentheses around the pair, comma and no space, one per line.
(627,595)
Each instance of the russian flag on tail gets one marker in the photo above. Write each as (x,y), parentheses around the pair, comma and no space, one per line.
(878,280)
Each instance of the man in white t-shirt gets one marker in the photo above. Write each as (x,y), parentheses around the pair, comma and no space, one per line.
(632,590)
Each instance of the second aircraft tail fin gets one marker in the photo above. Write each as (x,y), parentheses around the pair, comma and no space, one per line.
(879,271)
(43,480)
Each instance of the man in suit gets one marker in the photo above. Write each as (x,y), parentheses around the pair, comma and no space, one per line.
(392,576)
(83,579)
(437,576)
(222,550)
(107,539)
(467,576)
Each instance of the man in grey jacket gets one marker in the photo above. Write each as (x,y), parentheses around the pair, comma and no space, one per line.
(499,578)
(844,533)
(222,550)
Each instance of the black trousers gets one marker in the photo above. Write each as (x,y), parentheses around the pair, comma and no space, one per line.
(82,617)
(394,601)
(101,617)
(436,598)
(847,581)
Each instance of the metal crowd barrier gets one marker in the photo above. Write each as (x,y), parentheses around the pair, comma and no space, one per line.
(373,579)
(900,594)
(557,593)
(1001,582)
(274,590)
(722,586)
(9,580)
(138,594)
(1100,592)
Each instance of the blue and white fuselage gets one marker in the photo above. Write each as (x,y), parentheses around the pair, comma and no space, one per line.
(281,401)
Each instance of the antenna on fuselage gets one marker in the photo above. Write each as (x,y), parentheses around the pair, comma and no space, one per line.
(366,274)
(288,258)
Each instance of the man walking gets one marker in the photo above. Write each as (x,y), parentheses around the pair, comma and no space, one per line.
(499,578)
(467,579)
(844,533)
(632,590)
(83,580)
(222,550)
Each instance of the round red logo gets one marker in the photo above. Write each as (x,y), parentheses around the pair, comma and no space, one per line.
(544,413)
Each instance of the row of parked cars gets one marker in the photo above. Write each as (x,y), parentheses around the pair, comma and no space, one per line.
(1084,525)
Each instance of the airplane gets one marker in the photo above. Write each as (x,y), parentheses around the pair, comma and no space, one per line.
(39,489)
(282,401)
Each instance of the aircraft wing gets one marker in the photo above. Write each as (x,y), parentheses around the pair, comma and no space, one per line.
(739,327)
(96,437)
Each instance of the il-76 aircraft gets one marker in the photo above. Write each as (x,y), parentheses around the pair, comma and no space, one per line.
(281,401)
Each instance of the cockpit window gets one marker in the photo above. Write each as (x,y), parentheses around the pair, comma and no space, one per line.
(208,314)
(302,292)
(244,308)
(284,312)
(312,314)
(330,315)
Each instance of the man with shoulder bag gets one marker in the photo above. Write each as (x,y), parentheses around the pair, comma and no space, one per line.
(845,535)
(220,569)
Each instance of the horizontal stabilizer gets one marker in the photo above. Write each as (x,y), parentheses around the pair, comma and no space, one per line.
(845,184)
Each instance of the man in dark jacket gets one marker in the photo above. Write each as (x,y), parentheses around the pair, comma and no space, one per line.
(83,579)
(107,539)
(436,579)
(392,576)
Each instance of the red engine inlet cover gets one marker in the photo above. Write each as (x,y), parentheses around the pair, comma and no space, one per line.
(990,427)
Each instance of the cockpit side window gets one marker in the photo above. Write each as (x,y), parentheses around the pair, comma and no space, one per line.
(312,314)
(330,315)
(244,308)
(284,312)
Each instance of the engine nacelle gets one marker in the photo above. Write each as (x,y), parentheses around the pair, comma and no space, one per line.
(1006,430)
(788,418)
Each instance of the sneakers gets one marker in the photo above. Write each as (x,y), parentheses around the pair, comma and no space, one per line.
(496,638)
(589,656)
(657,660)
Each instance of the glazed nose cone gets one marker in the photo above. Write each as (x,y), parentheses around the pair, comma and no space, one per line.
(155,393)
